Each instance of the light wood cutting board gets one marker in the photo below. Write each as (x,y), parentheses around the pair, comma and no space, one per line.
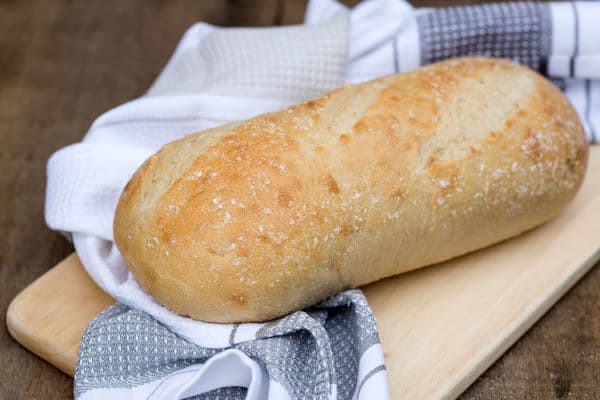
(440,327)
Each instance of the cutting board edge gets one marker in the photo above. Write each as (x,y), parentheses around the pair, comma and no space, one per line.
(37,344)
(33,343)
(519,328)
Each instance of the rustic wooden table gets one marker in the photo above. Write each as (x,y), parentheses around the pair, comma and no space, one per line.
(62,63)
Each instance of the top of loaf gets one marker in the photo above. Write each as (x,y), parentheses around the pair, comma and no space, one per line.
(238,209)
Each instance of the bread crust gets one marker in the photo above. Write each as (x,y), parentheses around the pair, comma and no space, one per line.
(253,220)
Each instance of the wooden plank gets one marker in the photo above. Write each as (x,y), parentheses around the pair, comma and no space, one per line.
(49,317)
(440,327)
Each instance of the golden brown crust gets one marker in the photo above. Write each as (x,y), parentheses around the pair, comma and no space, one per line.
(254,220)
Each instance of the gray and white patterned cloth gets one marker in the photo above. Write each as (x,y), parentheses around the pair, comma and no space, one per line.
(312,353)
(139,350)
(559,40)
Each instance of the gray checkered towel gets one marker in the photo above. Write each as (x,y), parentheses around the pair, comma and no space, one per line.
(309,352)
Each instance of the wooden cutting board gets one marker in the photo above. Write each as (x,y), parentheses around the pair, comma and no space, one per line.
(440,327)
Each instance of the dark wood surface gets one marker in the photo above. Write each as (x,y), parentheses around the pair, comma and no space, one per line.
(62,63)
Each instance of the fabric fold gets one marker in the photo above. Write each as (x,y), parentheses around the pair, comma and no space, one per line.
(329,351)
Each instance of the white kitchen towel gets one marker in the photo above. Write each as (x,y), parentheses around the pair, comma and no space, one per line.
(218,75)
(138,349)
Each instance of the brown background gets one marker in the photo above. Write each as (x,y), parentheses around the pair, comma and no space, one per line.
(62,63)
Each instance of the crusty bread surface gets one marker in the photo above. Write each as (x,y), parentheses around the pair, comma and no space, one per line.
(253,220)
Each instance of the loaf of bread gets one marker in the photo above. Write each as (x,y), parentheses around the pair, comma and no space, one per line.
(256,219)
